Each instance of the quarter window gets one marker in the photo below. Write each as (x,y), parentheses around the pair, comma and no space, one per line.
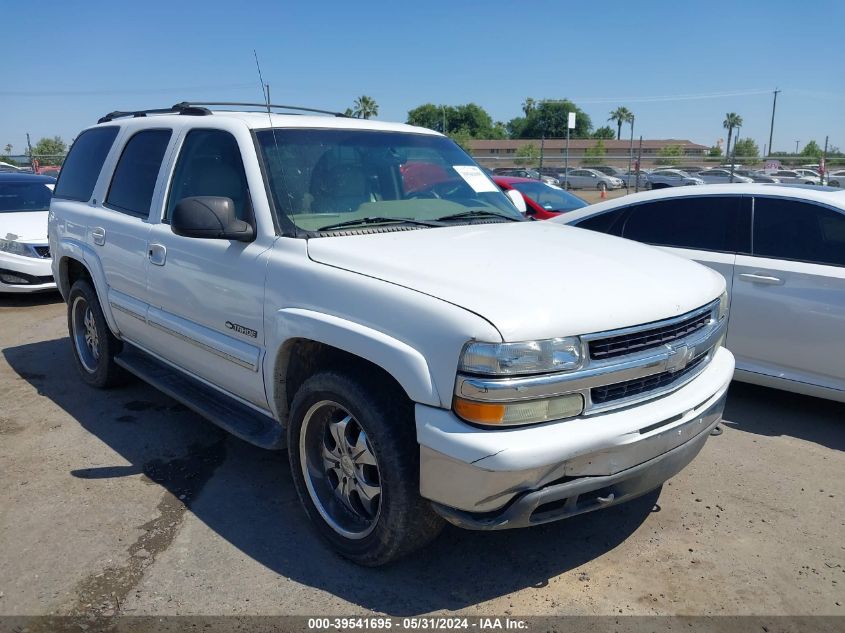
(83,164)
(709,223)
(210,165)
(136,173)
(791,229)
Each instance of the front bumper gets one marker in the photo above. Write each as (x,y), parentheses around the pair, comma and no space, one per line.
(36,273)
(495,479)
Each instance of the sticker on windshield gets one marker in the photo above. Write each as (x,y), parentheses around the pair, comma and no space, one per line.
(475,178)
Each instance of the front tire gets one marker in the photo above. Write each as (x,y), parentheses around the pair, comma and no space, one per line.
(94,345)
(355,464)
(601,186)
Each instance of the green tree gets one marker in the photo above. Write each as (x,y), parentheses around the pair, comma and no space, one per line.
(595,155)
(427,115)
(732,120)
(528,155)
(515,127)
(746,151)
(528,106)
(605,132)
(365,107)
(669,154)
(8,149)
(469,119)
(462,137)
(620,115)
(812,150)
(50,151)
(549,118)
(714,151)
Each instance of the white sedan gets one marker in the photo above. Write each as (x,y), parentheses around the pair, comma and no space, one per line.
(836,178)
(721,177)
(784,263)
(24,253)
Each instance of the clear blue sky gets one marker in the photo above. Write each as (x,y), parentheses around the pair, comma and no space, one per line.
(67,63)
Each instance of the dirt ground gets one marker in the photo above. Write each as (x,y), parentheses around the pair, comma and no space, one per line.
(125,502)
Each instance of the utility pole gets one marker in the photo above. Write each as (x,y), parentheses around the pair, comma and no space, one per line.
(822,165)
(796,146)
(630,158)
(267,88)
(639,163)
(772,128)
(29,147)
(733,155)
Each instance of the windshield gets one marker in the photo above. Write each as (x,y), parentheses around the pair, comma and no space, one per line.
(323,178)
(16,197)
(549,197)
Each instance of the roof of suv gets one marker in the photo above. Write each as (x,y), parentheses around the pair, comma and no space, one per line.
(260,120)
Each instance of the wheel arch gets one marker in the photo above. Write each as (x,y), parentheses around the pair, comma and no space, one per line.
(314,341)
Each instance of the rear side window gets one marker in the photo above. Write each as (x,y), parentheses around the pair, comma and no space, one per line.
(83,164)
(800,231)
(136,173)
(708,223)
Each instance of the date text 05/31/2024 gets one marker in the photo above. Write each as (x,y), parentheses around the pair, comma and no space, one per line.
(418,623)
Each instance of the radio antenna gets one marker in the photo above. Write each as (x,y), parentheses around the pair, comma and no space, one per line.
(265,88)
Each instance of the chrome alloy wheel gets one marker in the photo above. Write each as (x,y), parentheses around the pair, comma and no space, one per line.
(85,337)
(340,469)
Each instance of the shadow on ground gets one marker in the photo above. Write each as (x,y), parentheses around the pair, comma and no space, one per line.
(245,495)
(773,412)
(29,300)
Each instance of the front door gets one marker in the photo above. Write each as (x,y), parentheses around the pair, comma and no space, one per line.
(206,295)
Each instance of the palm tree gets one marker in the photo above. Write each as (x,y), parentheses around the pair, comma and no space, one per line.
(620,115)
(528,105)
(364,107)
(732,120)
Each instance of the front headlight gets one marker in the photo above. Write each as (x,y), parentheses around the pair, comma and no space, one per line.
(723,305)
(527,357)
(16,248)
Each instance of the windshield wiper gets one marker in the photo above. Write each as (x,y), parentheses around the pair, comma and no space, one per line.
(376,220)
(477,213)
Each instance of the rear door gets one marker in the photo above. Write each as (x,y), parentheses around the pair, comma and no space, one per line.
(788,307)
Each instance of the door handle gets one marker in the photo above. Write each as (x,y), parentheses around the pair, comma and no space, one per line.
(98,234)
(757,278)
(157,254)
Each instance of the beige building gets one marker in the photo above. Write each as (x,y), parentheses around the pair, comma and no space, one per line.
(502,153)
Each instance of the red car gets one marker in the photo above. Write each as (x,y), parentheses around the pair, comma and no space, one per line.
(543,201)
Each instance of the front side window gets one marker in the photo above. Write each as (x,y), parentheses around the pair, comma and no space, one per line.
(710,223)
(83,163)
(136,173)
(322,177)
(210,165)
(801,231)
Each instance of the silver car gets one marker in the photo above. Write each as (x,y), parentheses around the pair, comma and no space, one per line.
(757,176)
(836,178)
(793,176)
(721,177)
(662,178)
(592,179)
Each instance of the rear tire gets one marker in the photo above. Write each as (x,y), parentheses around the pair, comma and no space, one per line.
(94,345)
(354,458)
(601,186)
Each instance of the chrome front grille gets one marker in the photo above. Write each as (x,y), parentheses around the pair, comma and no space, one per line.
(649,338)
(638,386)
(621,367)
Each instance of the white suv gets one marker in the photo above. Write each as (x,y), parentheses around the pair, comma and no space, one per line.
(363,293)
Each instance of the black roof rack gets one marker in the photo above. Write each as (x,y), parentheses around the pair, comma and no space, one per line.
(179,108)
(263,106)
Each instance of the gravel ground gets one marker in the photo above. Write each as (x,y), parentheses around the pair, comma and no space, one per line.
(124,502)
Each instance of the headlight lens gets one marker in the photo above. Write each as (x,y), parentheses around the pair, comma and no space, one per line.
(520,412)
(723,305)
(528,357)
(15,248)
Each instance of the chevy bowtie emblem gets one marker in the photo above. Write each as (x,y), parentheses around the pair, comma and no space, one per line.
(679,357)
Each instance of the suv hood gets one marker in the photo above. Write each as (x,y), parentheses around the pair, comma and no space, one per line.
(530,279)
(26,226)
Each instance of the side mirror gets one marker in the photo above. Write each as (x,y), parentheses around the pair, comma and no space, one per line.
(517,199)
(209,217)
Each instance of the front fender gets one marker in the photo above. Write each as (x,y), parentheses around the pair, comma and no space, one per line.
(406,364)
